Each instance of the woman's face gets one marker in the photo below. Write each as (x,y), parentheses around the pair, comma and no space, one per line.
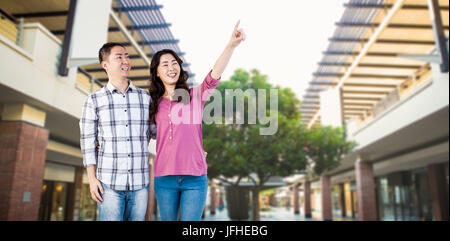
(168,69)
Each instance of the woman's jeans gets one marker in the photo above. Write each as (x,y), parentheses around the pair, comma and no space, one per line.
(182,193)
(123,205)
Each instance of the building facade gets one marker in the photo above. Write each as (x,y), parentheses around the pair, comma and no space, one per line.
(385,78)
(47,70)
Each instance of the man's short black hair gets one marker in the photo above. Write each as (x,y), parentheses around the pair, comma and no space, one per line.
(105,50)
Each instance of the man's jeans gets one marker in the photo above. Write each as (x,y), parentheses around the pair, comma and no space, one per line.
(123,205)
(181,193)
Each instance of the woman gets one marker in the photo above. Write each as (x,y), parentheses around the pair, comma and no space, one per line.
(180,166)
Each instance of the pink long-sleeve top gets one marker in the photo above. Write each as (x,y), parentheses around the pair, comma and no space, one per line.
(179,141)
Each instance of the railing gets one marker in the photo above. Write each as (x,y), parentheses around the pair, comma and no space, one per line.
(419,80)
(385,103)
(404,89)
(416,80)
(10,27)
(86,82)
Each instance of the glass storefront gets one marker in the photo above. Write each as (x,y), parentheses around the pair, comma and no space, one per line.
(354,200)
(335,201)
(53,201)
(88,207)
(350,199)
(404,196)
(316,201)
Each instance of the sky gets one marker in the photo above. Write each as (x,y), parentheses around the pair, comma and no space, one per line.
(285,38)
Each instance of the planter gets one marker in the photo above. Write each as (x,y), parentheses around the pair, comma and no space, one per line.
(237,203)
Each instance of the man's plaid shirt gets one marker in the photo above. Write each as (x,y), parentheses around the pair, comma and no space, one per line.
(120,124)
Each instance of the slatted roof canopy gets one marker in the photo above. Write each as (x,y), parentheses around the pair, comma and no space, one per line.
(369,75)
(142,18)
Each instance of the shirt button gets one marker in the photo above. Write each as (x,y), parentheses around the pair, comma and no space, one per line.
(129,155)
(126,125)
(124,96)
(128,139)
(125,110)
(129,171)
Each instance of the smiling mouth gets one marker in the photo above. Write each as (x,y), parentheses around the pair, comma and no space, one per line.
(172,75)
(125,68)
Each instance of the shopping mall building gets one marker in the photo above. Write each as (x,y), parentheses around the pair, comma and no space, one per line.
(49,64)
(385,77)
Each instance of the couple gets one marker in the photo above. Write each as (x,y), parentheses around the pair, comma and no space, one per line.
(116,126)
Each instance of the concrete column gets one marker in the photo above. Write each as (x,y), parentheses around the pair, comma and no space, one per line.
(437,184)
(213,194)
(23,144)
(365,191)
(331,107)
(295,198)
(325,183)
(307,193)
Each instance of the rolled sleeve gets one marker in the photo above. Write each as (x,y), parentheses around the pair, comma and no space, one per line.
(88,133)
(209,82)
(208,85)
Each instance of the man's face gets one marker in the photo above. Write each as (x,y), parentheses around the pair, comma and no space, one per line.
(117,64)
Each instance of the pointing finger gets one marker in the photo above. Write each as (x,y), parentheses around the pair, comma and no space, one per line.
(237,25)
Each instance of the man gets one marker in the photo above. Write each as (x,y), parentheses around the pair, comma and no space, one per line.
(116,118)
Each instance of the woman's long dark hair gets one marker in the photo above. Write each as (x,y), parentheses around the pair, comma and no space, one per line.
(157,88)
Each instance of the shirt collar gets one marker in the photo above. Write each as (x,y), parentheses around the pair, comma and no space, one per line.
(112,88)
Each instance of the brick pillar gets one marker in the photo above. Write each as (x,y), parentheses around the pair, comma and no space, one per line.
(295,198)
(151,196)
(212,207)
(325,183)
(437,185)
(22,161)
(308,199)
(74,199)
(365,191)
(342,200)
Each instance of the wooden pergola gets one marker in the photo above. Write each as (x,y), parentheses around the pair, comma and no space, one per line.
(138,25)
(378,51)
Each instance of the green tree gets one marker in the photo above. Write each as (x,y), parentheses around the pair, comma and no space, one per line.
(326,147)
(239,150)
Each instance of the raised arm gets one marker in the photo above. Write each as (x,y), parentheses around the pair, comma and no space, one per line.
(237,37)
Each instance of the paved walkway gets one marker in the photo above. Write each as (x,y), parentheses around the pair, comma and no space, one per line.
(275,214)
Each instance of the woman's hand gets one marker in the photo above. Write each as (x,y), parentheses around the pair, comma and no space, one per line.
(237,36)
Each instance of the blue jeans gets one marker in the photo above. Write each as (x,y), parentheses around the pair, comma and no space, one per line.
(184,194)
(123,205)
